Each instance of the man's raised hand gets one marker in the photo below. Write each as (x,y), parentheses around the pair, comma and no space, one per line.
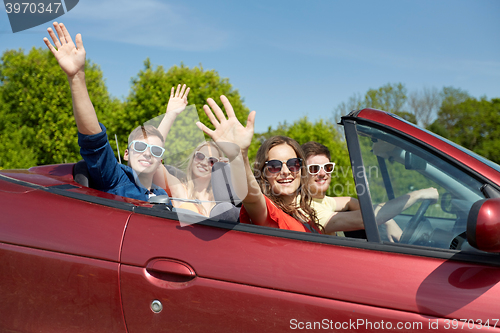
(71,58)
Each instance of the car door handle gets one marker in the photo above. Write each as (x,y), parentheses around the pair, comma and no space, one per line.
(170,270)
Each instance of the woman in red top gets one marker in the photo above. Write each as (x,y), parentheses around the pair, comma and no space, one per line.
(269,196)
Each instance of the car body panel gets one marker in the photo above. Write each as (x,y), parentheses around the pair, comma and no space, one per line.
(60,262)
(49,222)
(46,291)
(377,279)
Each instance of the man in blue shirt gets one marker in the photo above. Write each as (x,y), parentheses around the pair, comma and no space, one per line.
(133,180)
(145,150)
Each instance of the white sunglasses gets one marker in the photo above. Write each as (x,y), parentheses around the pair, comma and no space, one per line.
(141,147)
(314,169)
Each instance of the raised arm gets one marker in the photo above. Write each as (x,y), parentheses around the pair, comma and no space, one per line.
(234,139)
(71,59)
(176,104)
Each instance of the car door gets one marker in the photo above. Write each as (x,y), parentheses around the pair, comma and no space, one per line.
(59,259)
(238,278)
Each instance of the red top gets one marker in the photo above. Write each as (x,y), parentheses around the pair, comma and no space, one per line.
(278,218)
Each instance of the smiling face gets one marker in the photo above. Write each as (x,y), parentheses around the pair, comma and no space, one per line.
(201,168)
(144,163)
(318,183)
(285,182)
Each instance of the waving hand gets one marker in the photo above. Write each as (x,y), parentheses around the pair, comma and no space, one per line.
(228,130)
(178,99)
(70,57)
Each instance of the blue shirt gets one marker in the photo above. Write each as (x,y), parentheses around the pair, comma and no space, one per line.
(106,173)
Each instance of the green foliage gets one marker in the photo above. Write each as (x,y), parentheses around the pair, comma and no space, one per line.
(390,98)
(151,91)
(324,132)
(452,96)
(473,124)
(38,127)
(36,109)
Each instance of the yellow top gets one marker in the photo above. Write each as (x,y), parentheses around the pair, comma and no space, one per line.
(324,209)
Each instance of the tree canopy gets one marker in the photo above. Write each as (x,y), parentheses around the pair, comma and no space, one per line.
(149,96)
(36,109)
(390,97)
(37,124)
(451,113)
(471,123)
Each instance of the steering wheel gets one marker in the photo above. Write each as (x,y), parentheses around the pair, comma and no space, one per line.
(415,221)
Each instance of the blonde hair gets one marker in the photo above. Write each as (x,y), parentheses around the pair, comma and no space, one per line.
(189,180)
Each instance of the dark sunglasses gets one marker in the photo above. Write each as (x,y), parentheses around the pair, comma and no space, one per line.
(200,157)
(275,166)
(141,147)
(314,169)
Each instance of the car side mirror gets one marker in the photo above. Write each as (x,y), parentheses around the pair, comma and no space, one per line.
(483,225)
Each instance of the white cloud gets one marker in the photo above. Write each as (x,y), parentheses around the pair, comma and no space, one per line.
(149,23)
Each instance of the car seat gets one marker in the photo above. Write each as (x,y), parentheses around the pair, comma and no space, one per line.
(228,204)
(81,173)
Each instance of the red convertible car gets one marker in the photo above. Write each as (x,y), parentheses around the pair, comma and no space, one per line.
(74,259)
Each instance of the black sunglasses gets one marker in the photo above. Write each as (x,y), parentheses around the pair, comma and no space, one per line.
(275,166)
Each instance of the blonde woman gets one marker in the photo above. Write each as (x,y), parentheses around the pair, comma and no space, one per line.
(196,185)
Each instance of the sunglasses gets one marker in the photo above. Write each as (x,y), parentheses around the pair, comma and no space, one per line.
(200,157)
(141,147)
(314,169)
(275,166)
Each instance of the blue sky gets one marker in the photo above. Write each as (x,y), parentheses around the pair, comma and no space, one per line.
(291,58)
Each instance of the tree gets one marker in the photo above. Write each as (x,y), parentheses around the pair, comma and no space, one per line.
(450,98)
(324,132)
(36,109)
(424,105)
(355,102)
(390,97)
(149,97)
(473,124)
